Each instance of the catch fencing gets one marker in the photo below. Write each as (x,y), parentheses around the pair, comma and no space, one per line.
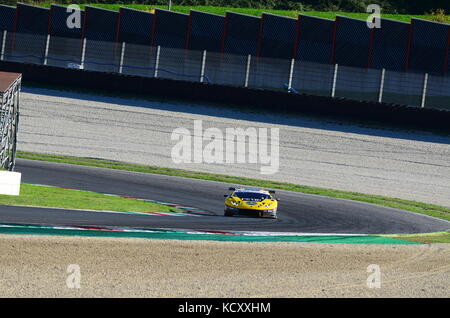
(331,80)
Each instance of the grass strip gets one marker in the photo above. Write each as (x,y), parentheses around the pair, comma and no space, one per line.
(407,205)
(51,197)
(258,12)
(428,238)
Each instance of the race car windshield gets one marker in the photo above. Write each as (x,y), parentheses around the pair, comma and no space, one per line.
(251,196)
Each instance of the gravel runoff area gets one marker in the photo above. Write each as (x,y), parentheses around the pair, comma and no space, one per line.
(404,164)
(37,266)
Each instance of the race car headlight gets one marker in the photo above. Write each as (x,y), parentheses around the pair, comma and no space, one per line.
(234,203)
(268,205)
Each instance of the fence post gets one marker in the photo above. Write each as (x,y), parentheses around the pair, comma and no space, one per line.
(3,45)
(247,71)
(122,54)
(291,74)
(424,90)
(158,50)
(380,93)
(47,43)
(333,87)
(83,53)
(202,70)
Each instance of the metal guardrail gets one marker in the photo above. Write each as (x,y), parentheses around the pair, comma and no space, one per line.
(336,81)
(9,121)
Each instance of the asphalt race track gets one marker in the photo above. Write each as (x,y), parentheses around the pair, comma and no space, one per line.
(297,212)
(317,152)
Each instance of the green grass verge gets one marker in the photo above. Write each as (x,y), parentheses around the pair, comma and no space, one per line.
(257,12)
(428,238)
(418,207)
(41,196)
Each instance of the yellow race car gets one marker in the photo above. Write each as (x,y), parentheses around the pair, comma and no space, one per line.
(251,202)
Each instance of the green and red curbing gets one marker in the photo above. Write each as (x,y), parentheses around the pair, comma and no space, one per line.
(194,235)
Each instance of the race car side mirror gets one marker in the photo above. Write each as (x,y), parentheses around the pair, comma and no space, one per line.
(231,188)
(225,195)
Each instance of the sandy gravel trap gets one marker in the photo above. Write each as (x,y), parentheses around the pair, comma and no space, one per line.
(43,266)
